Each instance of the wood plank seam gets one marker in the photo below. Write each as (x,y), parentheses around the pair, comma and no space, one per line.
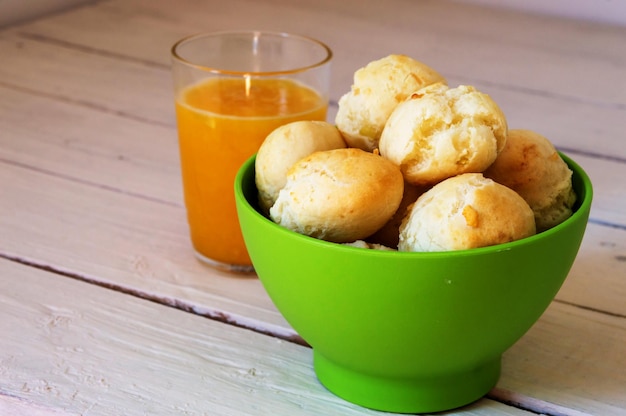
(210,313)
(587,308)
(85,182)
(89,50)
(99,52)
(531,404)
(86,104)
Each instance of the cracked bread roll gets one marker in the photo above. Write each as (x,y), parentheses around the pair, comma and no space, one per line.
(285,146)
(463,212)
(339,195)
(440,132)
(377,89)
(530,165)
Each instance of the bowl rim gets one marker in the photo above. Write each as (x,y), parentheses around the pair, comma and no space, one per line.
(582,209)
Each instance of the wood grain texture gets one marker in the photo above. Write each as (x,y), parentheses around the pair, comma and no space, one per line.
(86,232)
(83,350)
(92,219)
(561,359)
(543,71)
(137,263)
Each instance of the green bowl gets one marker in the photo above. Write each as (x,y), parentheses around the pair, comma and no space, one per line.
(409,332)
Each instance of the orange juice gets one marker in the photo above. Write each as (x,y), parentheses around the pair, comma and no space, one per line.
(221,123)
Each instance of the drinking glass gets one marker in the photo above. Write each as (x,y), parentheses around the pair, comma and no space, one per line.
(231,90)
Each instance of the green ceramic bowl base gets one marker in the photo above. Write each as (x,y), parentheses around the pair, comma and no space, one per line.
(407,395)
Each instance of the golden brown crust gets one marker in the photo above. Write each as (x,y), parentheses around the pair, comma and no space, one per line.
(376,90)
(441,132)
(530,165)
(339,195)
(285,146)
(463,212)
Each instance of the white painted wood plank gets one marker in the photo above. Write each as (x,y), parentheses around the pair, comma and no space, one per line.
(609,187)
(18,11)
(129,89)
(571,355)
(17,407)
(130,243)
(538,69)
(78,349)
(85,144)
(596,280)
(609,12)
(141,246)
(492,44)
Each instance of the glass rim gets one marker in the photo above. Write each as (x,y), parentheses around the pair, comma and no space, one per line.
(176,56)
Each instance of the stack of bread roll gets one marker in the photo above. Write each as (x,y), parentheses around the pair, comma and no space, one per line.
(412,164)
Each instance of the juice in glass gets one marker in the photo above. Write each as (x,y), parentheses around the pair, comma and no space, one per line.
(221,123)
(231,90)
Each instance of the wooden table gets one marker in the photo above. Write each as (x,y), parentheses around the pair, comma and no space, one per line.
(104,309)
